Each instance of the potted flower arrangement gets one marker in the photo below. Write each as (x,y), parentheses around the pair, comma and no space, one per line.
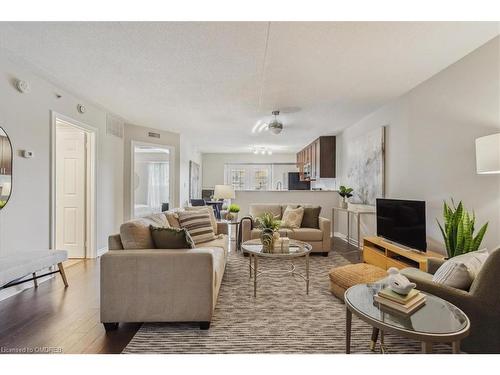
(232,212)
(269,226)
(345,192)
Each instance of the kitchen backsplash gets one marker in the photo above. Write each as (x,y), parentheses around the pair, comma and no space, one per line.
(324,184)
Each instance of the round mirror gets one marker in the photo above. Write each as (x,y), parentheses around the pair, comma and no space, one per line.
(5,168)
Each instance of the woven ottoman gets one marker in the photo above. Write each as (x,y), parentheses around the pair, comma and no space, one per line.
(342,278)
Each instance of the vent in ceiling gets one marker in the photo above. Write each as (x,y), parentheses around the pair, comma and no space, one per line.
(154,135)
(114,126)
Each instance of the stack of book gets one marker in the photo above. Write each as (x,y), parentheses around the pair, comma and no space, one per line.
(405,304)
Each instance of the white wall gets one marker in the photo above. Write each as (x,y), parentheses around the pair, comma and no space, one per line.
(430,137)
(24,221)
(140,134)
(188,152)
(213,164)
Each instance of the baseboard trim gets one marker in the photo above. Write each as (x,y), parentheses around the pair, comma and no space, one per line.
(16,289)
(102,251)
(343,237)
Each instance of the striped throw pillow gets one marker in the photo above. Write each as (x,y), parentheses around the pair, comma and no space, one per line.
(198,224)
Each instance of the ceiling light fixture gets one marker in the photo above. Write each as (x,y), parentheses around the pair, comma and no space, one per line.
(275,126)
(263,150)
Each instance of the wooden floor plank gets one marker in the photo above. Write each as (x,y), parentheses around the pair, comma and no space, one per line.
(66,319)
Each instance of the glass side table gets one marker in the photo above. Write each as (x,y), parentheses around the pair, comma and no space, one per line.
(436,321)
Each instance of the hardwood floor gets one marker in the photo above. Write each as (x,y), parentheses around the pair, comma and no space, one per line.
(350,252)
(54,319)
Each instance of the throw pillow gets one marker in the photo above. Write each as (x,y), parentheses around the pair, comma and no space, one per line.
(460,271)
(135,234)
(173,219)
(157,219)
(311,217)
(210,212)
(292,217)
(198,225)
(171,238)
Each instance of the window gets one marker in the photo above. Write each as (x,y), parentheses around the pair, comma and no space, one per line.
(151,179)
(157,188)
(258,176)
(237,179)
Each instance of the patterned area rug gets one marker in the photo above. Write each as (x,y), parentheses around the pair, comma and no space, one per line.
(282,319)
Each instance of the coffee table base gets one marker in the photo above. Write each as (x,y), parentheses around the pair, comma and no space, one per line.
(255,272)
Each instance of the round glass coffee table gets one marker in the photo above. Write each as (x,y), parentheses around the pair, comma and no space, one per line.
(436,321)
(296,249)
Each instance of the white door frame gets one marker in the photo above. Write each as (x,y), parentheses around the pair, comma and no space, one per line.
(91,188)
(171,167)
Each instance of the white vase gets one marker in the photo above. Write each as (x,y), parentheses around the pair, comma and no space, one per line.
(343,205)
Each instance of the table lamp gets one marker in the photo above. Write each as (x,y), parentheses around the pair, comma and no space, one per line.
(224,192)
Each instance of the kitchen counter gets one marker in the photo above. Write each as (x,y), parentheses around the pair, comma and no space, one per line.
(286,191)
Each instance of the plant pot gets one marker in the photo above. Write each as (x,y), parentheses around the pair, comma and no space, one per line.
(343,205)
(231,216)
(267,238)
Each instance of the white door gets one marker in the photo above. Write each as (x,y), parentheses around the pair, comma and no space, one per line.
(70,190)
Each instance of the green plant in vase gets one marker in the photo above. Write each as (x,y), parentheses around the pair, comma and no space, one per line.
(232,212)
(269,226)
(458,230)
(345,192)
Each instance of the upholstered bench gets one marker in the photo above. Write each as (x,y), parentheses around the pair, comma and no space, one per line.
(342,278)
(15,267)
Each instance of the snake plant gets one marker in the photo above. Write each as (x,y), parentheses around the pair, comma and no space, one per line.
(458,230)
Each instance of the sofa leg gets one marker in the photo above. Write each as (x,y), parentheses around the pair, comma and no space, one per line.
(110,326)
(204,325)
(325,253)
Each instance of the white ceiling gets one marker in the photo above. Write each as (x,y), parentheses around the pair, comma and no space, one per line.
(212,81)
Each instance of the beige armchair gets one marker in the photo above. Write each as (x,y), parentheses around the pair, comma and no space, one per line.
(481,302)
(319,238)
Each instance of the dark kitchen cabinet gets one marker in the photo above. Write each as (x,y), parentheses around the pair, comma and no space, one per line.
(317,160)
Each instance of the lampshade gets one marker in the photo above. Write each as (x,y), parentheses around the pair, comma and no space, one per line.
(6,186)
(224,192)
(488,154)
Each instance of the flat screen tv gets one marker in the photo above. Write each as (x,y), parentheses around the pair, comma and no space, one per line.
(403,222)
